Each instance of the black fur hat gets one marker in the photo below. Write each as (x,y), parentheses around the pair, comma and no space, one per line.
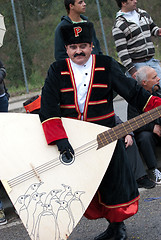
(77,33)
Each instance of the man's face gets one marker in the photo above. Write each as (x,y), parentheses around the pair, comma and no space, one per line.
(79,6)
(79,53)
(129,6)
(152,79)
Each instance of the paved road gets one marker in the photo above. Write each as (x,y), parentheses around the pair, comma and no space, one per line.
(16,103)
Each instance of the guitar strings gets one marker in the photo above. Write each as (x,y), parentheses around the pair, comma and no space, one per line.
(51,164)
(108,136)
(42,168)
(131,125)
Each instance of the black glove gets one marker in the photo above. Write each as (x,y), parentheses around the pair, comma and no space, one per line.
(65,147)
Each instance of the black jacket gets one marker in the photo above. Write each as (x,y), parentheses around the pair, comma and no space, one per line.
(106,76)
(59,99)
(134,112)
(2,76)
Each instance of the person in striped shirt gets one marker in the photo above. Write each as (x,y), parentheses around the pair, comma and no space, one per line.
(132,32)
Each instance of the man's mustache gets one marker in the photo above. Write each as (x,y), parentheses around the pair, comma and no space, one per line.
(79,54)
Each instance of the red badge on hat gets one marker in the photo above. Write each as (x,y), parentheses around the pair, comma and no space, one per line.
(77,30)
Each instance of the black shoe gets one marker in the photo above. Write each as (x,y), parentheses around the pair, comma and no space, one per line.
(116,230)
(145,182)
(108,234)
(120,231)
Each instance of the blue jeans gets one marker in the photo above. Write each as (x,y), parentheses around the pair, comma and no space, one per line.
(154,63)
(3,104)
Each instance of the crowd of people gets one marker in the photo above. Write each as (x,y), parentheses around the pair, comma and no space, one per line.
(80,84)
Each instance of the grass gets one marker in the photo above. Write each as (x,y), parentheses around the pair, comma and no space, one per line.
(13,91)
(35,84)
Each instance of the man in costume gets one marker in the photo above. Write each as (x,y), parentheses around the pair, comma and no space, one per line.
(135,160)
(81,87)
(132,32)
(148,137)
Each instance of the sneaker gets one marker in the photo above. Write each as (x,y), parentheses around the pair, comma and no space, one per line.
(155,175)
(2,217)
(145,182)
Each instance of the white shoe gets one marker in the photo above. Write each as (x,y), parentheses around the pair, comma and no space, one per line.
(155,175)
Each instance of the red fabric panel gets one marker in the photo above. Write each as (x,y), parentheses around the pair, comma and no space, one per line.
(33,105)
(153,103)
(54,130)
(114,213)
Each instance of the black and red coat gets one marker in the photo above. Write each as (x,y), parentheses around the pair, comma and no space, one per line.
(118,190)
(59,94)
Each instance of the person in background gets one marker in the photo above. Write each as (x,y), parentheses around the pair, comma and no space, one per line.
(148,137)
(3,96)
(81,87)
(75,9)
(132,32)
(135,160)
(3,108)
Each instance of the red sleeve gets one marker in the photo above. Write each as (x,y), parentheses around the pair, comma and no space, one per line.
(153,102)
(54,130)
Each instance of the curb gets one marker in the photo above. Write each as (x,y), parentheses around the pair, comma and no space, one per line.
(16,103)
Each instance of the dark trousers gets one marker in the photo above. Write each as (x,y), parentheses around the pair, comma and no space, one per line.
(135,160)
(147,142)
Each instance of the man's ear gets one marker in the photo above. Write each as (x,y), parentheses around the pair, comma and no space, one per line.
(144,83)
(71,6)
(124,4)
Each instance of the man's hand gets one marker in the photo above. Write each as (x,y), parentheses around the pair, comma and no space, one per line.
(128,141)
(157,130)
(64,147)
(159,32)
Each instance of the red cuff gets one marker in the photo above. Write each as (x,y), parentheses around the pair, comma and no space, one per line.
(54,130)
(153,102)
